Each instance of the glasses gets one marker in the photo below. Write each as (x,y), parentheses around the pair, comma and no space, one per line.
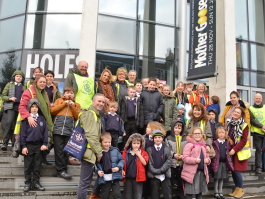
(196,133)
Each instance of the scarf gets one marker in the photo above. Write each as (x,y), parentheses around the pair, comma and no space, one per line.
(45,108)
(108,92)
(237,125)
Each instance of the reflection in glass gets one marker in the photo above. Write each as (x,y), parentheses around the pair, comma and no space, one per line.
(116,35)
(243,95)
(118,7)
(158,68)
(160,11)
(9,62)
(156,41)
(113,61)
(12,7)
(257,57)
(241,19)
(242,78)
(241,55)
(257,80)
(11,33)
(55,6)
(256,20)
(53,31)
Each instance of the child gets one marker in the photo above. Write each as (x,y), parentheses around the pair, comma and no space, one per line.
(214,104)
(213,119)
(133,173)
(176,144)
(51,87)
(109,168)
(170,111)
(222,162)
(66,112)
(113,124)
(160,160)
(131,113)
(181,113)
(138,88)
(11,96)
(33,140)
(36,72)
(195,170)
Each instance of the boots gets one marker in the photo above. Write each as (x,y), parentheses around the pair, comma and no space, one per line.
(234,193)
(94,196)
(240,193)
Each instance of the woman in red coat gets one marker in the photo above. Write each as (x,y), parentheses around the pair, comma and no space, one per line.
(238,133)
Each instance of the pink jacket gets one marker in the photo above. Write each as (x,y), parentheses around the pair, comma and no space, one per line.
(191,152)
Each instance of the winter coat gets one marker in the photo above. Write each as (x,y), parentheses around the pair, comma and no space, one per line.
(140,168)
(191,152)
(228,106)
(65,116)
(99,89)
(165,169)
(116,161)
(92,130)
(56,92)
(139,114)
(214,106)
(216,124)
(120,90)
(153,105)
(9,91)
(216,160)
(170,111)
(171,142)
(184,98)
(195,98)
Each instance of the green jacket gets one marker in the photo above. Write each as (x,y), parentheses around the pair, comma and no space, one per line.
(170,112)
(92,130)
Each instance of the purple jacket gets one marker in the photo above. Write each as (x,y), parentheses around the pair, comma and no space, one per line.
(215,161)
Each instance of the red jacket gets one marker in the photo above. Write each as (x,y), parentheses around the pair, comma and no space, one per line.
(140,168)
(195,98)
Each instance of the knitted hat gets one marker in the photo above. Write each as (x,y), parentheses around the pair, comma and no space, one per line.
(180,106)
(157,132)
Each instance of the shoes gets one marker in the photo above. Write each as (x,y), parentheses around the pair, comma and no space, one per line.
(216,195)
(38,187)
(234,193)
(240,193)
(64,175)
(258,171)
(46,162)
(74,161)
(26,188)
(4,147)
(221,196)
(94,196)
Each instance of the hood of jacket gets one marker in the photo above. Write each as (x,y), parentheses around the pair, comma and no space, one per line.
(34,101)
(18,72)
(241,103)
(127,145)
(216,114)
(173,125)
(191,140)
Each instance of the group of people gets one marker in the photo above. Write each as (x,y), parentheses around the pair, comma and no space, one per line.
(137,132)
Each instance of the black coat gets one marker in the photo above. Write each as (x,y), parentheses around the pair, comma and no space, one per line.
(153,105)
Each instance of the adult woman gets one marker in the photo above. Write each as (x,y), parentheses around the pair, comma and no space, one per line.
(238,134)
(51,88)
(36,72)
(230,107)
(199,118)
(121,85)
(181,97)
(106,87)
(199,96)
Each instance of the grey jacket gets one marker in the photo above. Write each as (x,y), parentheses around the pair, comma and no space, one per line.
(63,125)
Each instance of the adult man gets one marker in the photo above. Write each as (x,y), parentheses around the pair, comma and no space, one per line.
(257,121)
(188,89)
(145,82)
(91,123)
(131,78)
(84,86)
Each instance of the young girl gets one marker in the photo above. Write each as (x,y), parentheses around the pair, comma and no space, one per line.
(222,162)
(195,171)
(134,173)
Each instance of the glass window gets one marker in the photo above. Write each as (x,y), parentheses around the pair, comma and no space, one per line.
(243,78)
(12,7)
(55,6)
(160,11)
(242,55)
(11,33)
(243,95)
(256,20)
(118,7)
(257,80)
(241,19)
(257,57)
(113,62)
(9,62)
(158,68)
(116,35)
(53,31)
(156,41)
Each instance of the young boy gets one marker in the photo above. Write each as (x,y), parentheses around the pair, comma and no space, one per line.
(33,140)
(66,112)
(109,168)
(176,144)
(181,113)
(213,119)
(131,113)
(11,96)
(113,124)
(51,88)
(133,173)
(138,88)
(214,104)
(160,160)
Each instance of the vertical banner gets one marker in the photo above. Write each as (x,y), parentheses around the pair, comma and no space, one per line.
(202,52)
